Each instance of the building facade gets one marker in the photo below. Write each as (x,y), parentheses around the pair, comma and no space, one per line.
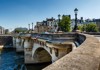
(48,25)
(2,30)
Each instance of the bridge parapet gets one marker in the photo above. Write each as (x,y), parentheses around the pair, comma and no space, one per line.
(85,57)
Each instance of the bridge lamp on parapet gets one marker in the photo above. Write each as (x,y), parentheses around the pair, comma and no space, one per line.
(75,27)
(59,20)
(32,26)
(28,28)
(59,17)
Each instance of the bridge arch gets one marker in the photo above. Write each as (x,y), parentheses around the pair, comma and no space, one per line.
(41,55)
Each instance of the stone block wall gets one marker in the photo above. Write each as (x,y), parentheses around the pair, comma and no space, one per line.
(6,40)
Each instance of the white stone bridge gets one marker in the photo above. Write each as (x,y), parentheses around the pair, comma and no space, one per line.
(39,48)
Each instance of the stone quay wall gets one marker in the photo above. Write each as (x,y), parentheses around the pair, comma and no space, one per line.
(6,40)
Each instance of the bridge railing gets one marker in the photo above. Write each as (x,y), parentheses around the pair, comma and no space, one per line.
(85,57)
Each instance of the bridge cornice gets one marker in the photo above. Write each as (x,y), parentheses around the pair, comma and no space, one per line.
(59,45)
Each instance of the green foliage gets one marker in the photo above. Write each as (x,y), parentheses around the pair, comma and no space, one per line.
(18,30)
(80,27)
(91,27)
(6,31)
(65,24)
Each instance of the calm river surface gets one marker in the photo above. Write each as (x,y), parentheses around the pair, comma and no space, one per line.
(10,60)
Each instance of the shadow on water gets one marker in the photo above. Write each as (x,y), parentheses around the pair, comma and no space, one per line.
(10,60)
(37,66)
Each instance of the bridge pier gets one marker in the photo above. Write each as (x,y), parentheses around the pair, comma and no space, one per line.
(18,43)
(54,57)
(14,42)
(22,43)
(28,45)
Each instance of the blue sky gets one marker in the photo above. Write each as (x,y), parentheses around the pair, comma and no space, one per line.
(20,13)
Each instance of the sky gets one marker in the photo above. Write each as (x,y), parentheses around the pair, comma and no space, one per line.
(20,13)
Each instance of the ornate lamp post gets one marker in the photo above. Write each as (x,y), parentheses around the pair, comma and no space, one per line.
(59,17)
(75,27)
(32,26)
(29,26)
(59,28)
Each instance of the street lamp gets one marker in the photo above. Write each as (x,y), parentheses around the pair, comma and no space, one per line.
(32,26)
(59,17)
(29,26)
(59,28)
(75,27)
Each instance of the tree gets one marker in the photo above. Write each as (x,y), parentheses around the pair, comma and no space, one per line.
(64,24)
(6,31)
(20,29)
(80,27)
(91,27)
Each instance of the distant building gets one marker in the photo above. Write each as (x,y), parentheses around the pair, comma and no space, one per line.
(2,30)
(53,24)
(86,21)
(97,21)
(7,31)
(40,27)
(48,25)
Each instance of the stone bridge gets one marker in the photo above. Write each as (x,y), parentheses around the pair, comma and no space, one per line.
(84,50)
(39,48)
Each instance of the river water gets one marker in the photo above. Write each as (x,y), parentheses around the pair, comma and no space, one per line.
(10,60)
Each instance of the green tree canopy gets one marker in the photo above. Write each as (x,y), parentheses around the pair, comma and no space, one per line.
(6,31)
(80,27)
(64,24)
(20,29)
(90,27)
